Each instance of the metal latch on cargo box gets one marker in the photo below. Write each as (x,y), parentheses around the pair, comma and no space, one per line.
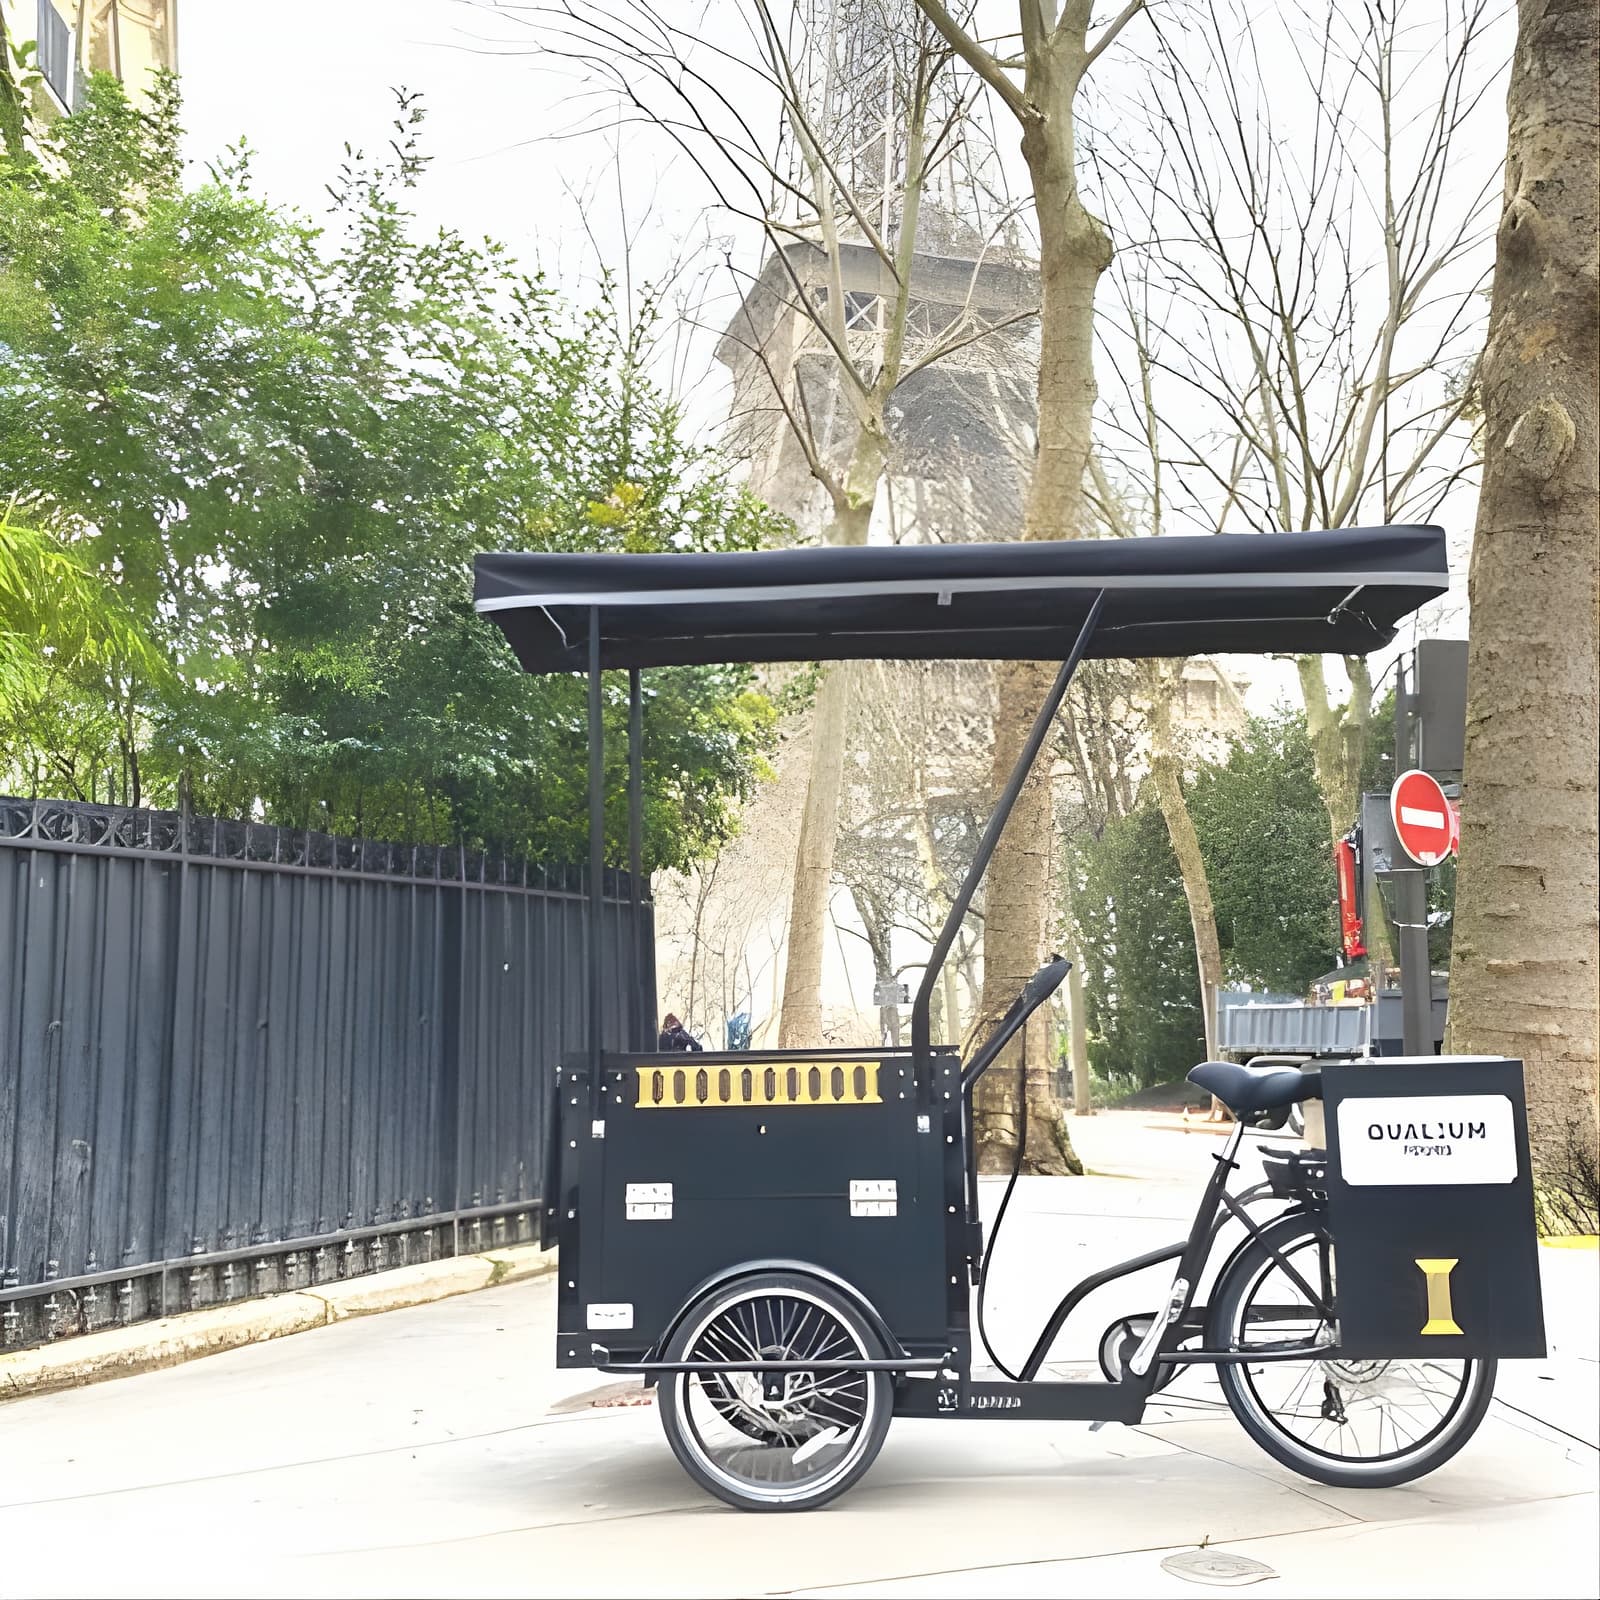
(649,1202)
(873,1197)
(974,1249)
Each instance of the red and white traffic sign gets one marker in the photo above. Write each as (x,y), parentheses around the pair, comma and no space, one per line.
(1424,821)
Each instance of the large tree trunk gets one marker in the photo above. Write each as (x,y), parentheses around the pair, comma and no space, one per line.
(1338,736)
(1013,935)
(1074,249)
(1168,776)
(800,1022)
(1523,970)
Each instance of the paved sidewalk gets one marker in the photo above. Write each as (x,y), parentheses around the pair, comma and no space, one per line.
(428,1452)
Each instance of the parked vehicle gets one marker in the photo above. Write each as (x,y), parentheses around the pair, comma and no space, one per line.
(785,1242)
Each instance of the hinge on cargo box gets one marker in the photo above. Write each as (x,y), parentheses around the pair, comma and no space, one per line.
(649,1202)
(873,1197)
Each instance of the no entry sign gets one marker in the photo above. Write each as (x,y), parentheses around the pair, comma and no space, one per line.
(1423,820)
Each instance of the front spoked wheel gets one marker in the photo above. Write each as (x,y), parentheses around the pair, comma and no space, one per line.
(776,1441)
(1354,1424)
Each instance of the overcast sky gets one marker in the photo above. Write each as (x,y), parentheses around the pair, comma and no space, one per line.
(299,78)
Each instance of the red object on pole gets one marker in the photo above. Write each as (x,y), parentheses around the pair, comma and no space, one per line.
(1350,932)
(1424,823)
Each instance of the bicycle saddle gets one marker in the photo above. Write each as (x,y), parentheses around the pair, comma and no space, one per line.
(1248,1090)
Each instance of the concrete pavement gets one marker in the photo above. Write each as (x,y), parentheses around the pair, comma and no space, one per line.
(427,1451)
(167,1341)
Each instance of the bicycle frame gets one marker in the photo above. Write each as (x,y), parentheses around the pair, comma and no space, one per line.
(956,1393)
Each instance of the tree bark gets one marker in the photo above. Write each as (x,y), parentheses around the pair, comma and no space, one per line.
(800,1022)
(1074,250)
(1013,935)
(1524,963)
(1338,737)
(1167,774)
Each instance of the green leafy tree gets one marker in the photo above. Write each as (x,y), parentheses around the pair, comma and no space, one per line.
(1262,828)
(282,447)
(1264,833)
(67,646)
(55,613)
(1140,986)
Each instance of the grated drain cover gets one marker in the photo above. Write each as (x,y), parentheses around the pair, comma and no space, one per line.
(1216,1566)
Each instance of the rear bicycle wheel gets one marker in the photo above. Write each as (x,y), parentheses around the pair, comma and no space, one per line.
(1353,1424)
(787,1441)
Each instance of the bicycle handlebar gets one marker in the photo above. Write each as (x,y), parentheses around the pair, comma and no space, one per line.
(1035,992)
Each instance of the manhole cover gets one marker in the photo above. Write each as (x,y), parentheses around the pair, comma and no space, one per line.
(1216,1566)
(630,1392)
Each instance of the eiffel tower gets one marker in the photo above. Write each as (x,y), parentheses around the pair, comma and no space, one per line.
(961,428)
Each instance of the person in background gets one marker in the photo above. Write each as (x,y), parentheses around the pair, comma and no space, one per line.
(674,1036)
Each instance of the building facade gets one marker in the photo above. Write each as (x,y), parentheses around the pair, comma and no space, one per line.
(130,39)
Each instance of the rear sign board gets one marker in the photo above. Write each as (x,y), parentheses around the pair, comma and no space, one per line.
(1430,1204)
(1424,822)
(1460,1138)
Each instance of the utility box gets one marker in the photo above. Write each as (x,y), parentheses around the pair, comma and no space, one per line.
(1430,1203)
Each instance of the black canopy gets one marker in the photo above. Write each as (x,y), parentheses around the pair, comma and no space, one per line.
(1176,596)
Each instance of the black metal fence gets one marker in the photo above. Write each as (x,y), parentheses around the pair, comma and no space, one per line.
(237,1058)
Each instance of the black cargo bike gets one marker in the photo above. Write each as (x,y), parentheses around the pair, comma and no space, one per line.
(786,1243)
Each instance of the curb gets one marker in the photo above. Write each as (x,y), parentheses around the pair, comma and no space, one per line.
(168,1341)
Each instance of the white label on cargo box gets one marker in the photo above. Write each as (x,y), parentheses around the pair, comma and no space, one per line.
(613,1314)
(1435,1138)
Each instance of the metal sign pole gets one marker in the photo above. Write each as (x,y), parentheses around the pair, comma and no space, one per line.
(1416,971)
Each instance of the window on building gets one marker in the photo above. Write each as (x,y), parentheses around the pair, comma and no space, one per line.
(55,51)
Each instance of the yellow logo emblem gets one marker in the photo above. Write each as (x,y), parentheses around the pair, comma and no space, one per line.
(1441,1314)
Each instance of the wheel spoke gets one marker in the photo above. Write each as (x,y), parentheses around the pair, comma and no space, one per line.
(1369,1411)
(783,1436)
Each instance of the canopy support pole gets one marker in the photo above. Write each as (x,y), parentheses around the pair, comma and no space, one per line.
(597,857)
(921,1030)
(645,1022)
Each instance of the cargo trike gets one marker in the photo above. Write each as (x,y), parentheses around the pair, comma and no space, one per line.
(786,1243)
